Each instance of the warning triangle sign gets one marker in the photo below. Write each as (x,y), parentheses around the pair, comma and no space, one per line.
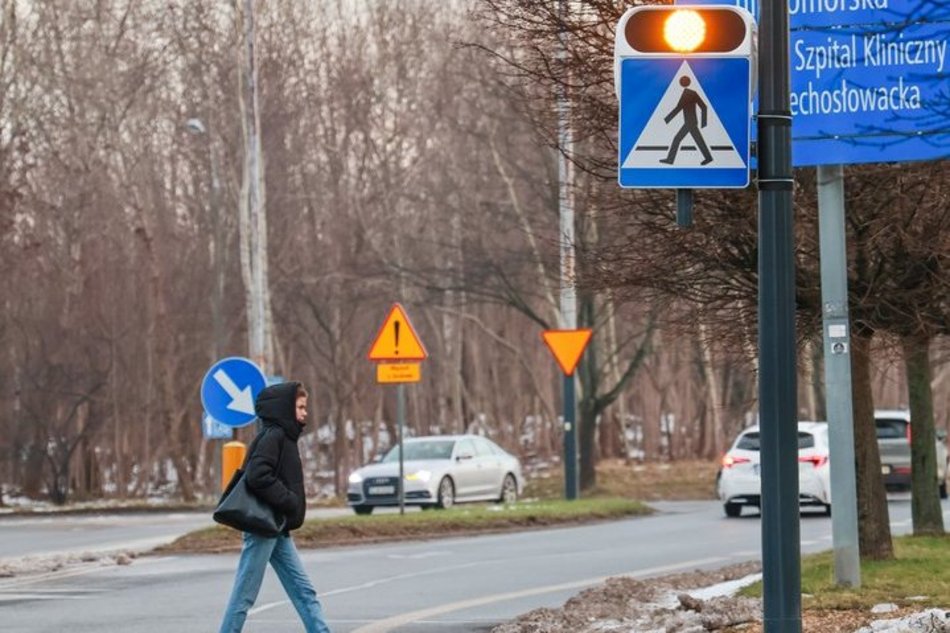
(675,137)
(567,346)
(397,340)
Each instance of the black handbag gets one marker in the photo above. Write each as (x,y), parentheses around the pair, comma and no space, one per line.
(242,510)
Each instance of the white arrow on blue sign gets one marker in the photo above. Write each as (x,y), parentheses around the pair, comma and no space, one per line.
(229,389)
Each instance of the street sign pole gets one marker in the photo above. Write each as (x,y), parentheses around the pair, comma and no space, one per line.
(835,334)
(568,294)
(781,566)
(684,208)
(395,349)
(570,439)
(400,420)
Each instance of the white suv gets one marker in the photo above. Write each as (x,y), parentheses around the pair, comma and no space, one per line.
(740,484)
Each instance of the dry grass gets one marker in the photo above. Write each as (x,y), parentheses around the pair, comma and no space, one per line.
(650,481)
(459,521)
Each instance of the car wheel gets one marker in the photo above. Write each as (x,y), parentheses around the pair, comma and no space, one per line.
(446,493)
(509,490)
(732,509)
(943,489)
(363,510)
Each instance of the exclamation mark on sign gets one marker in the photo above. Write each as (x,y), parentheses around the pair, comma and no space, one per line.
(396,328)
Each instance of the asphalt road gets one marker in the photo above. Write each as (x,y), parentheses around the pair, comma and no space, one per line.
(442,586)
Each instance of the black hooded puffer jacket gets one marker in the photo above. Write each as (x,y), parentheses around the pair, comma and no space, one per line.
(281,489)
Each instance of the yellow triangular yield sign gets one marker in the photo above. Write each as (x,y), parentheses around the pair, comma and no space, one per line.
(397,340)
(567,346)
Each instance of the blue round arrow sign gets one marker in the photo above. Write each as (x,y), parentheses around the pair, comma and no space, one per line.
(229,389)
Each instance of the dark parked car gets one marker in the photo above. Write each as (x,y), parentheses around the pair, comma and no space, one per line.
(893,440)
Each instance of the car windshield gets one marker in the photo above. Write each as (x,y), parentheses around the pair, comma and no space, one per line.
(750,441)
(437,449)
(891,429)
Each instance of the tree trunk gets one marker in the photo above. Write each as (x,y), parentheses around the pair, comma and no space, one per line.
(587,417)
(874,529)
(925,500)
(588,409)
(713,437)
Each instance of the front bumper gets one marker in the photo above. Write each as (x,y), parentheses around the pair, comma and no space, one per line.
(382,491)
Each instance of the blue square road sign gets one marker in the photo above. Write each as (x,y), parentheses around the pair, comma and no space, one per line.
(684,123)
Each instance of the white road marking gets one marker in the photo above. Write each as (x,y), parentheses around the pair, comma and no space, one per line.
(14,597)
(365,585)
(266,607)
(746,553)
(417,556)
(388,624)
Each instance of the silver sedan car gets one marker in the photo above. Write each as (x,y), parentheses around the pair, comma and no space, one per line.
(439,472)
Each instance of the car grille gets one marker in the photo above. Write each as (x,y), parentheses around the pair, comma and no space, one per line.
(380,487)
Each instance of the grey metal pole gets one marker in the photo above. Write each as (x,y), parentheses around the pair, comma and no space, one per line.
(400,419)
(835,333)
(568,294)
(781,565)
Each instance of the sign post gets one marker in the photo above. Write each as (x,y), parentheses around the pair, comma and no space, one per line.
(835,335)
(397,350)
(778,411)
(228,392)
(567,346)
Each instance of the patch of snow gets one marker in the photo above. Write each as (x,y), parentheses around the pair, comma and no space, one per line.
(931,621)
(46,563)
(728,588)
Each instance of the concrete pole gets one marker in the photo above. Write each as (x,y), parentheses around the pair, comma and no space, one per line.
(835,333)
(257,225)
(568,292)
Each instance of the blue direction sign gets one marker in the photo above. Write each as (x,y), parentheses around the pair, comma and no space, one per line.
(868,79)
(684,123)
(870,93)
(229,389)
(211,429)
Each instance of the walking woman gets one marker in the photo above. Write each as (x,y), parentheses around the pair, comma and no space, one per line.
(274,473)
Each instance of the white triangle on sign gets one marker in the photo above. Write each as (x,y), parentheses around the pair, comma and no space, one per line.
(653,144)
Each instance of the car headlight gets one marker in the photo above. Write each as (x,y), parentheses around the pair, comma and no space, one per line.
(422,475)
(356,478)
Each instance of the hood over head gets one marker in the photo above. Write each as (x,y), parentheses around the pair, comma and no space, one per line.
(277,406)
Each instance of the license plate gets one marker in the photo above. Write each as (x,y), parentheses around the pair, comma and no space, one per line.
(382,490)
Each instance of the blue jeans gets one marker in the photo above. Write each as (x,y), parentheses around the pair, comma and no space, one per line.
(283,557)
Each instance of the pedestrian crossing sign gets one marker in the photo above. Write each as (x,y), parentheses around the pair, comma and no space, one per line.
(684,123)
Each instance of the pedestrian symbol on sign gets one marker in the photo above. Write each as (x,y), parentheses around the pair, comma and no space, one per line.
(664,145)
(689,102)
